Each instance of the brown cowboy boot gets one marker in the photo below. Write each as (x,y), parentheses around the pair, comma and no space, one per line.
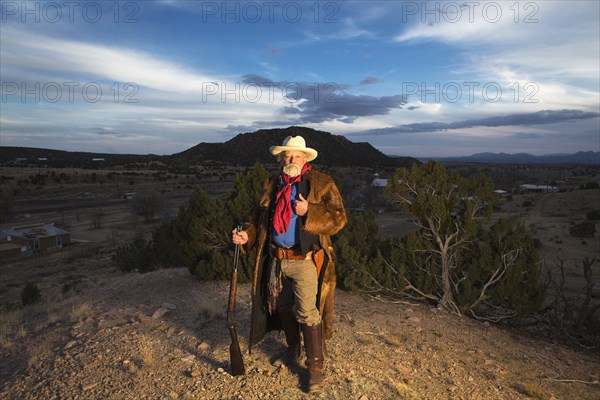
(291,329)
(313,341)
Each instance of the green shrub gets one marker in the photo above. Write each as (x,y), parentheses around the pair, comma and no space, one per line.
(135,256)
(593,215)
(199,236)
(585,229)
(166,245)
(357,259)
(30,294)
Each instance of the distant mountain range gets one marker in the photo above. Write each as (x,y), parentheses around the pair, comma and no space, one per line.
(244,149)
(581,157)
(249,148)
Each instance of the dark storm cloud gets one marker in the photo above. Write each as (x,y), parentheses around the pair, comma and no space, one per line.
(257,79)
(318,102)
(108,132)
(370,80)
(344,107)
(528,136)
(536,118)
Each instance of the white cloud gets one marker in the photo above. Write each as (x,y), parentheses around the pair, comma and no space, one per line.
(174,103)
(559,52)
(26,51)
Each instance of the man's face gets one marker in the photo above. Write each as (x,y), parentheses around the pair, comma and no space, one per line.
(292,162)
(293,156)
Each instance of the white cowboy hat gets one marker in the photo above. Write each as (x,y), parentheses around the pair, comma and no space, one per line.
(294,143)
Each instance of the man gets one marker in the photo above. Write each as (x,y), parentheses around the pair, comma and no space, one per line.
(294,274)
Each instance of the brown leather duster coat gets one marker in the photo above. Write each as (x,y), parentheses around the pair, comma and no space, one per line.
(326,216)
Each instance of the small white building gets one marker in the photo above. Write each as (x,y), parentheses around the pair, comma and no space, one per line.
(379,182)
(528,188)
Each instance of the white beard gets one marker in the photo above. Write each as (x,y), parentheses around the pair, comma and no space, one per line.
(292,170)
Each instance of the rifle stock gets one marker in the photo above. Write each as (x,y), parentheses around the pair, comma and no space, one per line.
(235,354)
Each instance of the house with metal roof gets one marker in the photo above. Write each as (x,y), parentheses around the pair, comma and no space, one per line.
(528,188)
(35,238)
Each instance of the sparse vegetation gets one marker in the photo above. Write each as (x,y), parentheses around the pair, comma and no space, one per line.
(6,203)
(149,204)
(573,315)
(198,237)
(584,229)
(79,311)
(30,294)
(532,391)
(135,256)
(449,260)
(590,186)
(147,354)
(593,215)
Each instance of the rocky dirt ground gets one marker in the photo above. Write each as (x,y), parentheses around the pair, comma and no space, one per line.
(162,335)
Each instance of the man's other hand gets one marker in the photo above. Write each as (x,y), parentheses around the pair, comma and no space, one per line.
(240,237)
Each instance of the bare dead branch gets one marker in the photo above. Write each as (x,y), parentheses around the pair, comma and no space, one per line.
(501,315)
(572,381)
(413,288)
(386,301)
(507,261)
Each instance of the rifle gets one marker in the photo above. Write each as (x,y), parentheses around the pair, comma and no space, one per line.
(235,354)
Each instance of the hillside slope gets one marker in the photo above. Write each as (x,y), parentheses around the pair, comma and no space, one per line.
(162,335)
(249,148)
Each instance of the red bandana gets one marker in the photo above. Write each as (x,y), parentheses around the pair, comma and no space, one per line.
(283,207)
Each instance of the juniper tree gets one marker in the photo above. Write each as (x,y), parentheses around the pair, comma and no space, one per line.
(203,230)
(203,227)
(246,192)
(447,208)
(356,246)
(501,274)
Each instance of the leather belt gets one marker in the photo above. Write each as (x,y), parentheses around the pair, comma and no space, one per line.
(289,254)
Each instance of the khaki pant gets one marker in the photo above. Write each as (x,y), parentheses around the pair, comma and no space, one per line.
(300,289)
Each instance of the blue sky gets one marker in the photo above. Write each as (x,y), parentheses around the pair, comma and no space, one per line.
(415,78)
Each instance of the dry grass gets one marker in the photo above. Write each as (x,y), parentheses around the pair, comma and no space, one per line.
(79,311)
(53,317)
(147,354)
(21,331)
(9,322)
(16,323)
(395,340)
(367,340)
(405,391)
(37,352)
(531,390)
